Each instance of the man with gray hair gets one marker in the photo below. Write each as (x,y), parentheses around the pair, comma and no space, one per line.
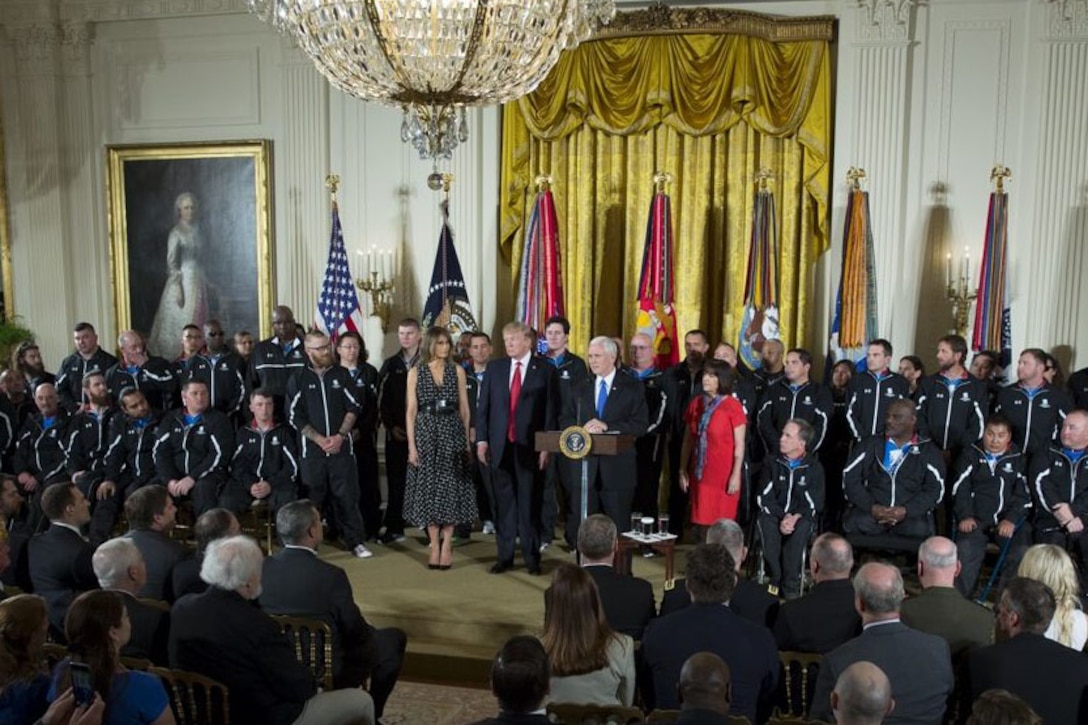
(604,402)
(628,601)
(940,609)
(119,566)
(221,634)
(862,695)
(918,665)
(298,583)
(750,600)
(825,617)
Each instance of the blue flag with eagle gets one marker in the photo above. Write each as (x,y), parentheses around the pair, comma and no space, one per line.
(447,298)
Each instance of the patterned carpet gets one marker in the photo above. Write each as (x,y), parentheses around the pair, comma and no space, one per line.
(416,703)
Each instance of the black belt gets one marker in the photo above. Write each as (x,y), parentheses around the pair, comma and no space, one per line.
(439,407)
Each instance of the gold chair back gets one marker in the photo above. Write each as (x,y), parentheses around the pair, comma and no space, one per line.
(195,699)
(799,670)
(312,639)
(565,713)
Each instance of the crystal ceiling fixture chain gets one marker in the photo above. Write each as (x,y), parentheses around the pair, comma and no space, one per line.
(434,58)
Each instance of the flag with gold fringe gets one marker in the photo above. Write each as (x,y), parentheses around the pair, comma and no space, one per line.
(447,302)
(540,280)
(993,324)
(761,316)
(854,322)
(656,311)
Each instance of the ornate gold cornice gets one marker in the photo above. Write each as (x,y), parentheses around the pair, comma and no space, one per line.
(660,19)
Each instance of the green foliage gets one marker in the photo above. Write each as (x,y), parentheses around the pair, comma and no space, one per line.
(11,334)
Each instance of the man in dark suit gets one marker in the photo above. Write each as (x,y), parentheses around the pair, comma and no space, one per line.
(215,524)
(120,567)
(1050,677)
(606,401)
(520,678)
(750,600)
(707,626)
(150,513)
(918,665)
(704,691)
(223,634)
(825,617)
(519,396)
(296,582)
(60,560)
(628,601)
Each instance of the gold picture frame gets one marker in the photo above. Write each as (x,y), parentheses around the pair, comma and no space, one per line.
(191,238)
(7,276)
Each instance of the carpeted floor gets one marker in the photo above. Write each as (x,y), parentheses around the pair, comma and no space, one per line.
(415,703)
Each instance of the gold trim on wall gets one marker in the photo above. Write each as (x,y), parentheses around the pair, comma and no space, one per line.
(7,276)
(660,19)
(120,159)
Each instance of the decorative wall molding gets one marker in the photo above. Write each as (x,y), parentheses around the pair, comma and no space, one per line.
(886,20)
(29,12)
(660,19)
(1068,19)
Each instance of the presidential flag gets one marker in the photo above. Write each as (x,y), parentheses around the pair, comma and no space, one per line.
(447,298)
(656,312)
(540,280)
(338,306)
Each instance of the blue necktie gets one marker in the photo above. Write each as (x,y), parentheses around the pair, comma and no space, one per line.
(602,396)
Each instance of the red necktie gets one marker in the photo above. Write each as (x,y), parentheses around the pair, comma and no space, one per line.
(515,393)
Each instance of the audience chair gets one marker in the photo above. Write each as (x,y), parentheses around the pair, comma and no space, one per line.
(563,713)
(183,524)
(663,717)
(136,663)
(155,604)
(195,699)
(799,671)
(52,654)
(312,639)
(258,522)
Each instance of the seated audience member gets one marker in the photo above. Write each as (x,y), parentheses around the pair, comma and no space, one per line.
(222,634)
(150,513)
(750,600)
(918,665)
(120,567)
(825,617)
(296,581)
(791,498)
(519,680)
(88,442)
(24,624)
(1050,677)
(130,460)
(60,560)
(704,691)
(992,502)
(895,481)
(1052,566)
(151,375)
(1001,707)
(862,695)
(27,361)
(590,662)
(194,447)
(218,367)
(940,609)
(12,516)
(98,628)
(41,451)
(88,357)
(628,601)
(212,525)
(707,626)
(1059,476)
(264,466)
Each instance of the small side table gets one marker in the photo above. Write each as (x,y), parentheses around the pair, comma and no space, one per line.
(662,544)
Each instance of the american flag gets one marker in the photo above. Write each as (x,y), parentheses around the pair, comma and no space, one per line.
(338,306)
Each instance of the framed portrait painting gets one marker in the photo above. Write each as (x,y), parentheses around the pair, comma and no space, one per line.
(190,238)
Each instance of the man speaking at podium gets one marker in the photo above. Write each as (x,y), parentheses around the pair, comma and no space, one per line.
(604,402)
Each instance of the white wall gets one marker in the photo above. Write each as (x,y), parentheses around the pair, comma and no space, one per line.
(928,97)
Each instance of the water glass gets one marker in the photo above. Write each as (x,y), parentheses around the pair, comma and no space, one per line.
(636,522)
(663,524)
(647,525)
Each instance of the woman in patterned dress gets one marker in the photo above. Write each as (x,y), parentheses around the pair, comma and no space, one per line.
(439,491)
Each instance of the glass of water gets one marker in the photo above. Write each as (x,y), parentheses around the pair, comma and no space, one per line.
(636,522)
(663,524)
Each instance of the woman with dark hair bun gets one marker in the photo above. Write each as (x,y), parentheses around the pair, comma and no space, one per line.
(24,623)
(97,627)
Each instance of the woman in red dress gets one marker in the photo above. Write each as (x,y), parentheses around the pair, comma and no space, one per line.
(712,457)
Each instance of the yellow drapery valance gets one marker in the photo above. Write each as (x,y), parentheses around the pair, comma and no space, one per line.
(709,108)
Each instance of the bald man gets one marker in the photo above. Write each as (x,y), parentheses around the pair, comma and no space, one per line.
(1057,476)
(151,375)
(650,447)
(704,690)
(862,695)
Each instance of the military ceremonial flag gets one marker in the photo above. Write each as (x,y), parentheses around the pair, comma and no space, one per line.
(656,313)
(993,323)
(761,316)
(338,306)
(540,280)
(447,298)
(854,322)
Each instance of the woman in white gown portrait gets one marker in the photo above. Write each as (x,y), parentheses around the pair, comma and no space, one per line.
(184,298)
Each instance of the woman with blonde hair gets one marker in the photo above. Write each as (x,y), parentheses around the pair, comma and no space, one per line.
(24,623)
(1053,566)
(590,662)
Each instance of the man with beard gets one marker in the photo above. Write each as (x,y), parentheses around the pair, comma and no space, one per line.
(87,358)
(40,454)
(88,441)
(680,383)
(27,361)
(275,361)
(323,410)
(218,368)
(772,366)
(130,462)
(952,404)
(150,374)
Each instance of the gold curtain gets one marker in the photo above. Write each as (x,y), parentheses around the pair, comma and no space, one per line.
(711,109)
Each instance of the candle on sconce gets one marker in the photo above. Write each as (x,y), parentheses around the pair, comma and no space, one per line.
(370,269)
(948,269)
(966,266)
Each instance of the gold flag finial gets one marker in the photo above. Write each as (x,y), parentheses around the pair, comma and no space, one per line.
(854,175)
(544,183)
(447,182)
(763,176)
(332,183)
(661,180)
(998,174)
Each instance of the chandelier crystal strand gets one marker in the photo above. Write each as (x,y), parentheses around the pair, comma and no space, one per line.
(434,58)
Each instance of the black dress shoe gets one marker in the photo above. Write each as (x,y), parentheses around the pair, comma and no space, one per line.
(499,567)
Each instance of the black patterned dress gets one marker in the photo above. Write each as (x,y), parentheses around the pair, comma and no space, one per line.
(439,489)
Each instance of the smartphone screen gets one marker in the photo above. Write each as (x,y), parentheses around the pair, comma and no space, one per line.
(82,689)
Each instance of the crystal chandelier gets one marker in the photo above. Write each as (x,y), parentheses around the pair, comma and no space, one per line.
(435,57)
